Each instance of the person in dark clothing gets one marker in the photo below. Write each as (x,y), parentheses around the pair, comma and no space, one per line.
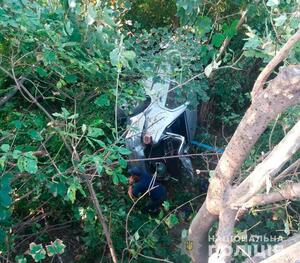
(140,182)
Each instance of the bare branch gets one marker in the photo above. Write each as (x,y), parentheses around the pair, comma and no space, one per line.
(7,97)
(227,40)
(289,192)
(292,168)
(102,221)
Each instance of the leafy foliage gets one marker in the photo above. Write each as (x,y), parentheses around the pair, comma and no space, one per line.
(72,62)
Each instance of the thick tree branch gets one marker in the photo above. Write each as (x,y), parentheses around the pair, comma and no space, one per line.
(291,169)
(280,56)
(224,237)
(198,234)
(289,192)
(288,255)
(280,247)
(267,169)
(283,92)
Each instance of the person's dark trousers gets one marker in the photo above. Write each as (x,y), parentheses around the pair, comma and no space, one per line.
(153,207)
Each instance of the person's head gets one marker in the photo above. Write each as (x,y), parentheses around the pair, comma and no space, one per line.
(135,171)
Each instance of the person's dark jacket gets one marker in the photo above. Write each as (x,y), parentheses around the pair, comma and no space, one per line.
(142,186)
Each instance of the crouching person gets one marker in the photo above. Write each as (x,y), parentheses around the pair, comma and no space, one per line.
(140,182)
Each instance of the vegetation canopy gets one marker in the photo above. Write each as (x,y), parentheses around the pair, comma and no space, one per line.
(70,73)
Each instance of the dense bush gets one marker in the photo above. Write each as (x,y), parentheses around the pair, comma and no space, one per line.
(65,66)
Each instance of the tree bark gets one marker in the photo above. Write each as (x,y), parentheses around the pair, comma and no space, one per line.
(280,56)
(224,237)
(198,234)
(289,192)
(282,92)
(267,169)
(288,255)
(260,257)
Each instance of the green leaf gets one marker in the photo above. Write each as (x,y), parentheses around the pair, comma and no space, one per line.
(5,199)
(71,193)
(90,143)
(74,116)
(6,180)
(279,21)
(252,43)
(184,234)
(218,39)
(16,154)
(71,78)
(27,162)
(2,236)
(95,132)
(123,179)
(273,3)
(5,147)
(287,228)
(72,190)
(203,25)
(99,164)
(136,235)
(101,143)
(65,112)
(91,15)
(115,178)
(37,252)
(4,213)
(57,188)
(124,151)
(122,162)
(49,57)
(42,72)
(35,135)
(2,161)
(172,220)
(102,101)
(114,57)
(58,115)
(230,31)
(130,55)
(166,205)
(55,248)
(83,128)
(21,259)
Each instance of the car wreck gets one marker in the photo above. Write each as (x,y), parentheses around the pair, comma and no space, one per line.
(159,135)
